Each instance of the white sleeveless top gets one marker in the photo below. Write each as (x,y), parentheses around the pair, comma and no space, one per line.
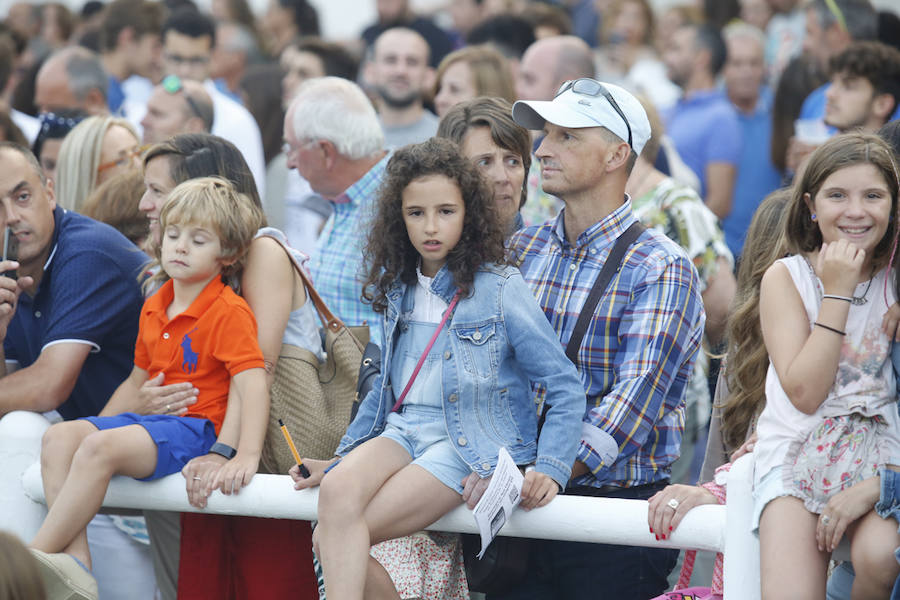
(302,328)
(864,382)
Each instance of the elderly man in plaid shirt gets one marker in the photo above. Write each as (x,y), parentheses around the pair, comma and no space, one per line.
(335,141)
(640,344)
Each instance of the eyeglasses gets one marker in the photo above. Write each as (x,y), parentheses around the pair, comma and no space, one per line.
(287,148)
(123,159)
(173,84)
(591,87)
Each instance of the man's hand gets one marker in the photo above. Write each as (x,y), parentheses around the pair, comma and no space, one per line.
(9,294)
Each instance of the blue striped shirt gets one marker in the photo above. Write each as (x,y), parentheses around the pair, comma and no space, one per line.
(338,266)
(639,349)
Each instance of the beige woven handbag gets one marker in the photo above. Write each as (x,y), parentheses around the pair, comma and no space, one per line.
(315,400)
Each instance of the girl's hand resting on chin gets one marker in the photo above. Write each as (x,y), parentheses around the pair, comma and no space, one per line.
(839,265)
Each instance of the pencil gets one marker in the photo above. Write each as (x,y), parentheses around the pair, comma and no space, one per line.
(287,436)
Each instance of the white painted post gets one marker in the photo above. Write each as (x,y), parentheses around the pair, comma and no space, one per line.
(20,447)
(741,572)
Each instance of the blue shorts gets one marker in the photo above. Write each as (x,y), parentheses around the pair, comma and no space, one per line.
(177,439)
(421,432)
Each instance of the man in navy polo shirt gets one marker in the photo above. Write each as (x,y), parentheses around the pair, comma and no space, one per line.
(71,319)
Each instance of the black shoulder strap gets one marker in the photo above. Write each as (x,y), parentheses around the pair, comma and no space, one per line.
(610,267)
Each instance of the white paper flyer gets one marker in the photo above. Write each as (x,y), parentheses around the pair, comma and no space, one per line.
(500,498)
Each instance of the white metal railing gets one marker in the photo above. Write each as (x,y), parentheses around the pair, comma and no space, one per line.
(599,520)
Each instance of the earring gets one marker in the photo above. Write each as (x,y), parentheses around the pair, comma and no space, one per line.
(813,216)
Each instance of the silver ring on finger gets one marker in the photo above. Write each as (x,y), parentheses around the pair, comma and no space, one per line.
(673,504)
(197,478)
(826,520)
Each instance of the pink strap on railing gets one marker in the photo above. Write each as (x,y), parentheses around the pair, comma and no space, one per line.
(419,364)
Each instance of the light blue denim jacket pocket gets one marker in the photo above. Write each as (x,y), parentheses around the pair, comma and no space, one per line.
(500,350)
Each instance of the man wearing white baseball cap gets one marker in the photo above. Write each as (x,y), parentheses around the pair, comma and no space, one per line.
(637,344)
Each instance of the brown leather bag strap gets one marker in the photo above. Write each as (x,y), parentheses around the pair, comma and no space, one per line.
(328,319)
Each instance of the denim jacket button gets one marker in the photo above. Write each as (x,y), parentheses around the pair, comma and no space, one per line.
(486,466)
(447,354)
(476,336)
(452,398)
(462,441)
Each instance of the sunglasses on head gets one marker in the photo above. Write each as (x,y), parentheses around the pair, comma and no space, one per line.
(173,84)
(591,87)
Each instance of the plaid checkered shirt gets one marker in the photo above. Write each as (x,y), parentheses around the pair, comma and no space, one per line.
(639,349)
(337,266)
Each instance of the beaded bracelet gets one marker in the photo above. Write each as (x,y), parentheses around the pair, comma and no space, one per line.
(836,297)
(832,329)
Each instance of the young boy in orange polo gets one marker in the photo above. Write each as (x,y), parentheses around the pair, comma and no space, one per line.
(196,329)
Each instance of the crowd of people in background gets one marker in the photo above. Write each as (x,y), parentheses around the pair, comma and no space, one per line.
(445,167)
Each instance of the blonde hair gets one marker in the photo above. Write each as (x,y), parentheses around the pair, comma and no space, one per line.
(20,578)
(212,202)
(491,75)
(79,157)
(748,359)
(115,202)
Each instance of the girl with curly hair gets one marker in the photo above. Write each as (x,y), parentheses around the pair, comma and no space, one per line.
(468,353)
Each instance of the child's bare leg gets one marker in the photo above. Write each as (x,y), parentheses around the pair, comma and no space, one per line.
(379,585)
(125,450)
(342,534)
(58,446)
(791,566)
(408,502)
(872,545)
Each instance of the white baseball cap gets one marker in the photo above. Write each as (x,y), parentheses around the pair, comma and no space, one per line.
(589,103)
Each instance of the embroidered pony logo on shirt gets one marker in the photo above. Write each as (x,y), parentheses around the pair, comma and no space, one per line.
(189,357)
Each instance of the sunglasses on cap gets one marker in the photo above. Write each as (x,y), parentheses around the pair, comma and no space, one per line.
(590,87)
(173,84)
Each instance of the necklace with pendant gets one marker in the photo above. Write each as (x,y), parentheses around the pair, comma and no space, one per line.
(855,300)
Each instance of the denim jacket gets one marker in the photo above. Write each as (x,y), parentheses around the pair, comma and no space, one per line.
(502,362)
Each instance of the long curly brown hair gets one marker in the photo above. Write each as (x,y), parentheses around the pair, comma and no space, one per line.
(390,254)
(748,359)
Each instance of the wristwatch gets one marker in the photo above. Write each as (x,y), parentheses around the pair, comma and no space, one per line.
(223,450)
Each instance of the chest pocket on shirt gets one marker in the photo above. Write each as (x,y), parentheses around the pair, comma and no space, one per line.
(479,349)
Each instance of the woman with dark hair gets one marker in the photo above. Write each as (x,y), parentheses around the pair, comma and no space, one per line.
(288,19)
(800,77)
(498,146)
(253,557)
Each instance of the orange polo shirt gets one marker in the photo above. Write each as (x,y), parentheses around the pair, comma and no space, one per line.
(206,345)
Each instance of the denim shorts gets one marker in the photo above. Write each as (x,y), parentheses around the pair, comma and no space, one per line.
(420,430)
(177,439)
(771,486)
